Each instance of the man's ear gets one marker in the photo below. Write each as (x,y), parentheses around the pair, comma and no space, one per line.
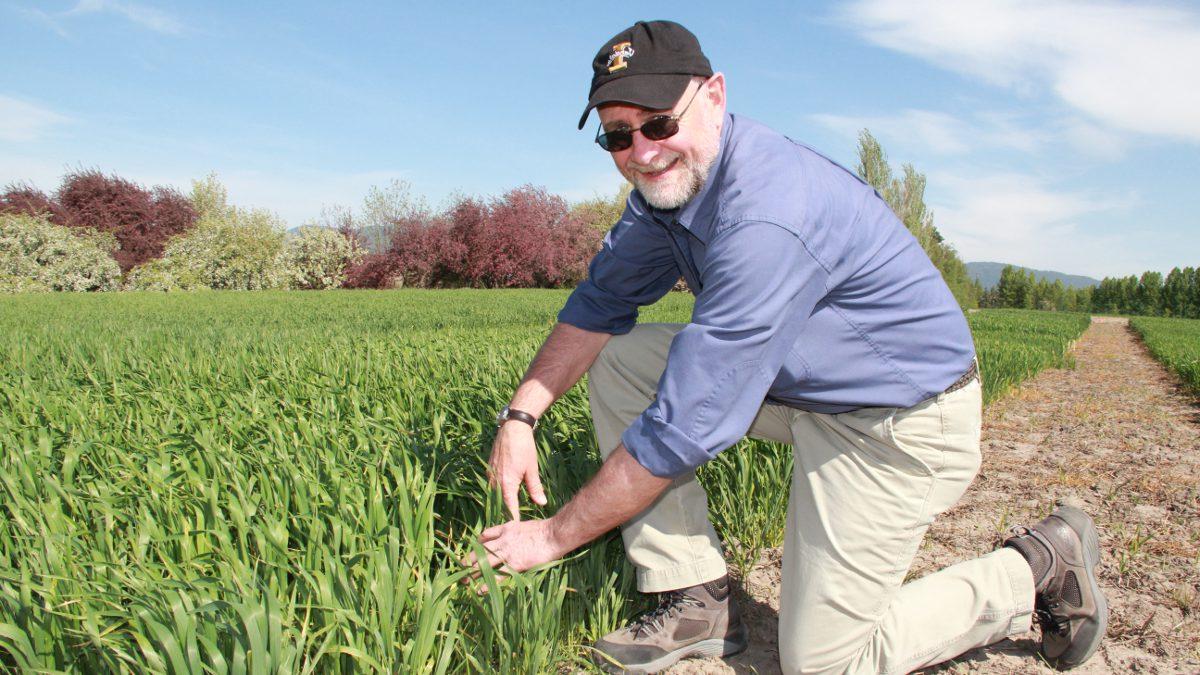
(715,91)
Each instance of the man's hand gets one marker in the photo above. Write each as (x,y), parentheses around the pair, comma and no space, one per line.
(519,546)
(514,461)
(620,490)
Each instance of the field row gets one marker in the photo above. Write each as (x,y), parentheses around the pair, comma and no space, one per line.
(222,482)
(1174,342)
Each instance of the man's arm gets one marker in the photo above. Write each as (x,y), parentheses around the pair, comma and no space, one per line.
(619,491)
(563,358)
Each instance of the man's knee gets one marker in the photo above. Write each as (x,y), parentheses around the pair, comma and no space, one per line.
(826,640)
(638,354)
(797,658)
(611,354)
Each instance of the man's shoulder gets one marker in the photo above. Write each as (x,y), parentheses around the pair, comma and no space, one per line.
(768,175)
(751,143)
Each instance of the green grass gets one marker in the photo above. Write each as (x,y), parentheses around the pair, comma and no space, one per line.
(1174,342)
(254,482)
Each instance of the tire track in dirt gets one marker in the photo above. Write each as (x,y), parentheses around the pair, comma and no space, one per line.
(1116,436)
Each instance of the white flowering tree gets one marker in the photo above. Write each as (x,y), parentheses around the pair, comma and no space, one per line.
(36,255)
(230,248)
(317,257)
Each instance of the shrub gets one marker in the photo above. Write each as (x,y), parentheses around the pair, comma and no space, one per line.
(603,212)
(229,248)
(19,198)
(317,257)
(525,238)
(141,220)
(36,255)
(374,270)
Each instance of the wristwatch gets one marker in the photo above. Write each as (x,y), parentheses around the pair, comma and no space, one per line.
(507,413)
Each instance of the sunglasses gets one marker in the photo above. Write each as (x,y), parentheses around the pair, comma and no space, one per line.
(657,128)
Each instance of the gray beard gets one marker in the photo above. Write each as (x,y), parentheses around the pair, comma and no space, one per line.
(668,198)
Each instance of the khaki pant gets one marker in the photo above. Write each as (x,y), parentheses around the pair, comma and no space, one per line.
(865,487)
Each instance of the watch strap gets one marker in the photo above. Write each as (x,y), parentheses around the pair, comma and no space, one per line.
(521,416)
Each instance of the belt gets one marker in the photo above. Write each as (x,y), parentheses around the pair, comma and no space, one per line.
(971,374)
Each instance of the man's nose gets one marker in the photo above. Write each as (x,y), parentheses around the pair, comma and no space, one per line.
(643,151)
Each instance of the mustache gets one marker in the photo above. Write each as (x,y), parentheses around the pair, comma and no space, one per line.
(656,166)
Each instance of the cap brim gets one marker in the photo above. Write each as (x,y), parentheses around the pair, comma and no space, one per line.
(653,91)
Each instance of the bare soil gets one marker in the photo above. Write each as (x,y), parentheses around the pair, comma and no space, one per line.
(1117,436)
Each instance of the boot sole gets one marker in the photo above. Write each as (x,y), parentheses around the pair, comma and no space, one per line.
(1085,529)
(718,647)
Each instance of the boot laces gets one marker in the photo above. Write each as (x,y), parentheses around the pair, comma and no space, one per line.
(1050,617)
(669,603)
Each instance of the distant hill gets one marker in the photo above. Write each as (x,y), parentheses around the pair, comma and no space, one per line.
(988,274)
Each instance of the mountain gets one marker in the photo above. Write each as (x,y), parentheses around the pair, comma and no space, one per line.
(988,274)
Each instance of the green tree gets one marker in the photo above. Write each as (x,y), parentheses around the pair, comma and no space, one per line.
(1014,289)
(1078,299)
(1174,294)
(1191,277)
(1129,286)
(906,197)
(1148,298)
(603,212)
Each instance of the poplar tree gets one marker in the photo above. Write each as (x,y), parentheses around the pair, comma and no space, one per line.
(906,197)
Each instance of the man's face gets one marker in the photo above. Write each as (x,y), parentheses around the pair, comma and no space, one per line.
(670,172)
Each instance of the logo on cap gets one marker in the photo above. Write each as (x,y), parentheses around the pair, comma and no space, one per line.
(621,51)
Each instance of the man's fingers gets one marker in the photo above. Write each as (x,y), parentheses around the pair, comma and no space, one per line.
(494,561)
(491,533)
(509,492)
(533,485)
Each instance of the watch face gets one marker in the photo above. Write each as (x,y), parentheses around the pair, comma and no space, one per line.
(502,416)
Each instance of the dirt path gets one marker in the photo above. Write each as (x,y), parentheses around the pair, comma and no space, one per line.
(1115,436)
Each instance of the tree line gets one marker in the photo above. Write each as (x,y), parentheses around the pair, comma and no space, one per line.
(1151,294)
(102,232)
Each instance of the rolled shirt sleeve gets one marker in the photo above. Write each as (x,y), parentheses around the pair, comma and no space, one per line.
(634,268)
(760,283)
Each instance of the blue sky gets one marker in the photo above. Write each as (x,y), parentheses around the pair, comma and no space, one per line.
(1054,134)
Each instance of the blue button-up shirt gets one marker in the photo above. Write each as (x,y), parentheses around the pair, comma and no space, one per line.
(810,293)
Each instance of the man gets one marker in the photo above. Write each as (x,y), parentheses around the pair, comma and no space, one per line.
(818,321)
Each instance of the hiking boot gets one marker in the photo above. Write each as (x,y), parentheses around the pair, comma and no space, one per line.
(697,621)
(1063,550)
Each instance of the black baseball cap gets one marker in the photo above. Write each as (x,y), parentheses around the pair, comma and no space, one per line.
(648,65)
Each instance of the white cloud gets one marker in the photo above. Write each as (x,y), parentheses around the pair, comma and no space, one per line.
(148,17)
(1020,219)
(1093,140)
(938,131)
(22,121)
(1134,67)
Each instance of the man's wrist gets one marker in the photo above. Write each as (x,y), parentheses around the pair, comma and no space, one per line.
(559,537)
(509,414)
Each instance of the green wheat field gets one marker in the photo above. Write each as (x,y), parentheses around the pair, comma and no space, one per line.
(1174,342)
(284,482)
